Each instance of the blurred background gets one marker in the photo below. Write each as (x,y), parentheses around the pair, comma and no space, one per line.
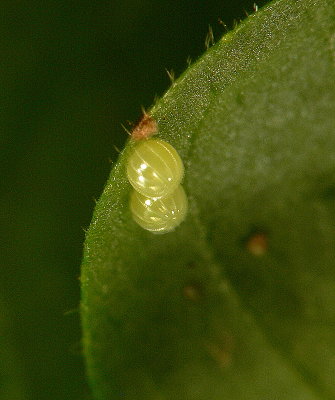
(71,72)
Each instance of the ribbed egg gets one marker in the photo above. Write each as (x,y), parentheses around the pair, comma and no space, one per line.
(154,168)
(159,215)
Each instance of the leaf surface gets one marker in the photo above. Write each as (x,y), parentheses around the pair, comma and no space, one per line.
(239,301)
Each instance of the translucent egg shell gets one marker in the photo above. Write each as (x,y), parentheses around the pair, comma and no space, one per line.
(159,215)
(154,168)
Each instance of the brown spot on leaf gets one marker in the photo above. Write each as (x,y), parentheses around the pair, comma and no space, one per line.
(257,244)
(193,292)
(145,128)
(222,349)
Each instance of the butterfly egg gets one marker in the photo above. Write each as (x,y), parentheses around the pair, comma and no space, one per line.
(159,215)
(154,168)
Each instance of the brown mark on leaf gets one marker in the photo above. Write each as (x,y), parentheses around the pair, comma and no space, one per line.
(257,244)
(145,128)
(193,292)
(222,349)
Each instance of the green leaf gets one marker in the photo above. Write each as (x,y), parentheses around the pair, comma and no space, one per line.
(239,301)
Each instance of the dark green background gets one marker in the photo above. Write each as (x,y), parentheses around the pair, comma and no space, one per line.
(71,73)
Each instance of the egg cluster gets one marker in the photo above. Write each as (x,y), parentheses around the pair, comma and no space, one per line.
(155,170)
